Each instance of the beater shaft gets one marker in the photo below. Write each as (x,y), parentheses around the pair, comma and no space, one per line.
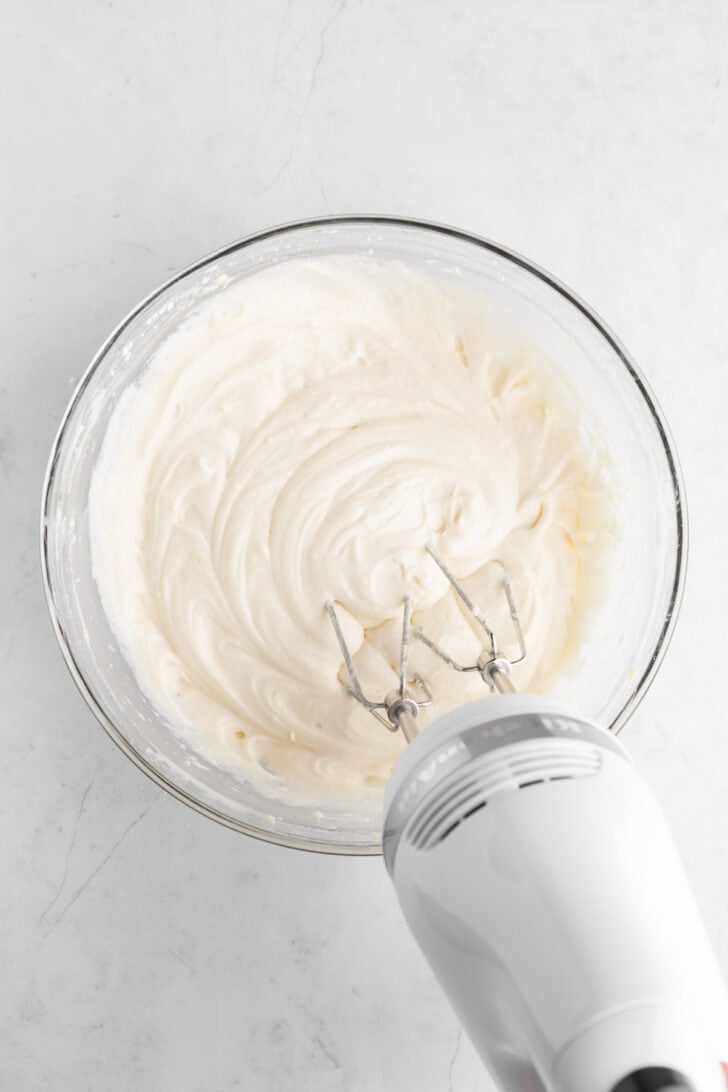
(408,724)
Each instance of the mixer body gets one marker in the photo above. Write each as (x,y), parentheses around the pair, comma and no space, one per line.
(538,875)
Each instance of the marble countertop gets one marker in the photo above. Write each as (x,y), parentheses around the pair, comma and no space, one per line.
(141,946)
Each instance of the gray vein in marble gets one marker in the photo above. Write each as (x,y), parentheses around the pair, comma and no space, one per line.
(453,1060)
(274,84)
(328,1053)
(324,197)
(338,9)
(125,833)
(69,852)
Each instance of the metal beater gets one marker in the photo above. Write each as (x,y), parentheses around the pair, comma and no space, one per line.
(402,704)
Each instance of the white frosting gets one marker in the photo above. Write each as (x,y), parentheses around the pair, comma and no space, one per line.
(302,437)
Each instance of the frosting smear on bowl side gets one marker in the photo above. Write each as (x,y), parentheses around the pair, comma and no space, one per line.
(303,437)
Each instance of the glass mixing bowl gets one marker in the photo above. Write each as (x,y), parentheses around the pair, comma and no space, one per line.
(620,655)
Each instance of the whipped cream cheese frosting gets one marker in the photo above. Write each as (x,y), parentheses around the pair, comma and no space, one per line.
(302,437)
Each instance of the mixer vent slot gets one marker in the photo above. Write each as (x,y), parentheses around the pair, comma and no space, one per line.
(491,776)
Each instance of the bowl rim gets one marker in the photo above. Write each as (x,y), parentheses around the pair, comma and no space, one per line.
(640,687)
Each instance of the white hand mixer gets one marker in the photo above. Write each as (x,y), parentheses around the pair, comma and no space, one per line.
(538,875)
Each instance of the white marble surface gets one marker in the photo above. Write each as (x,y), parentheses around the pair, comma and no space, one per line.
(141,946)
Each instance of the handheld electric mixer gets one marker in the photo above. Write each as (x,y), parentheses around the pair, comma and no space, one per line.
(540,879)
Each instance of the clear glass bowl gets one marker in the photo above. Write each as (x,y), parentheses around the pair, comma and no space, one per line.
(618,660)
